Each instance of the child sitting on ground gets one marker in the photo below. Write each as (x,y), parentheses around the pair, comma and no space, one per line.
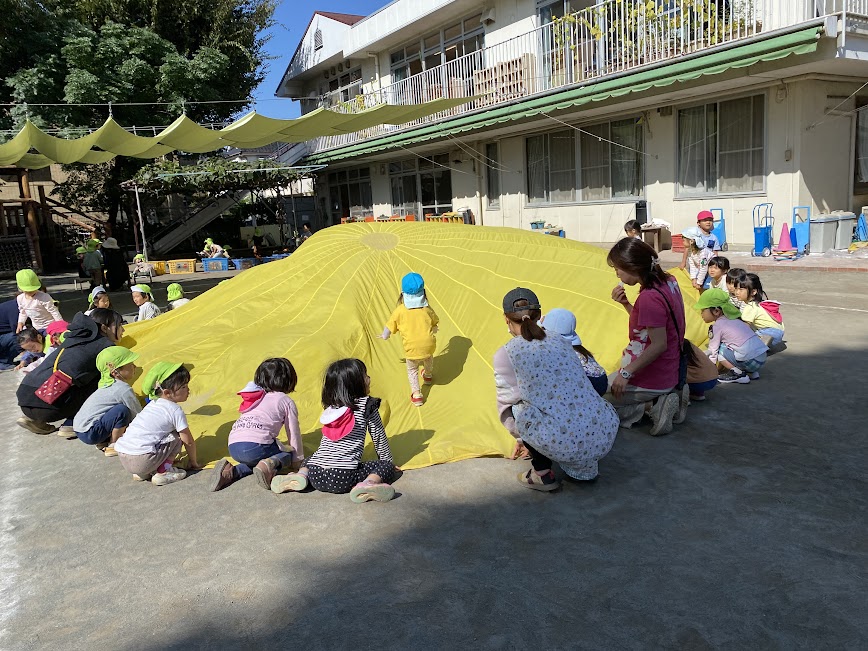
(717,268)
(176,296)
(762,315)
(732,343)
(140,266)
(265,409)
(633,228)
(417,323)
(143,297)
(98,298)
(33,304)
(153,440)
(563,322)
(107,412)
(350,413)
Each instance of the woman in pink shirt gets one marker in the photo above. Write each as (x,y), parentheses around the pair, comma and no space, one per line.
(265,410)
(650,362)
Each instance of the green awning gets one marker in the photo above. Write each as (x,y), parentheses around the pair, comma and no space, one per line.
(795,43)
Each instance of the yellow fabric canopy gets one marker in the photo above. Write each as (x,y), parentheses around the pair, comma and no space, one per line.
(332,298)
(33,148)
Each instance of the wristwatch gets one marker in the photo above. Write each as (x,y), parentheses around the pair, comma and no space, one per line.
(624,373)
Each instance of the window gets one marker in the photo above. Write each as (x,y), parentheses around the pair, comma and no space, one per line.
(549,10)
(609,167)
(344,88)
(421,184)
(350,193)
(861,166)
(492,175)
(454,41)
(721,147)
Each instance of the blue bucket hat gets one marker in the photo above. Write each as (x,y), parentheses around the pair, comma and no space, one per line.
(562,322)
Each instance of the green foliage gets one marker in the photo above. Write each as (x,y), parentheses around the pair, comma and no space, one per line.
(214,175)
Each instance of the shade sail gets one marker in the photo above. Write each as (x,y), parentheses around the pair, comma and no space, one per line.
(33,148)
(332,297)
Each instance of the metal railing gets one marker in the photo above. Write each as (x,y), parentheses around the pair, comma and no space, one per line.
(605,39)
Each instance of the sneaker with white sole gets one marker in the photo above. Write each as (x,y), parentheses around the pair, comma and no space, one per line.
(754,375)
(733,377)
(370,492)
(35,426)
(169,477)
(662,414)
(417,399)
(66,432)
(683,404)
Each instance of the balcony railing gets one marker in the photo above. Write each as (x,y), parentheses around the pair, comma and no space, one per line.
(605,39)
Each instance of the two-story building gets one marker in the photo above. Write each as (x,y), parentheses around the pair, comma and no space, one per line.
(580,114)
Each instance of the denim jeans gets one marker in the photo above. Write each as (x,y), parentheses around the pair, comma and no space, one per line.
(101,431)
(776,334)
(9,350)
(746,365)
(248,454)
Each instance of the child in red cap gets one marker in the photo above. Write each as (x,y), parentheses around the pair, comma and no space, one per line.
(707,239)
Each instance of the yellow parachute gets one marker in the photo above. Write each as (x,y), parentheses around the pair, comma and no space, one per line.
(331,299)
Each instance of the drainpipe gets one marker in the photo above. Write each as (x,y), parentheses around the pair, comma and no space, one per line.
(376,58)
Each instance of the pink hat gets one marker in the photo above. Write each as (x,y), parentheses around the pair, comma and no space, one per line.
(56,327)
(705,214)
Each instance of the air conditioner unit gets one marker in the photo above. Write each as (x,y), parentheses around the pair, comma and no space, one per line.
(341,66)
(487,17)
(326,74)
(347,64)
(334,71)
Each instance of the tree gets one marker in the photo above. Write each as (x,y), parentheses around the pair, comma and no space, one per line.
(161,55)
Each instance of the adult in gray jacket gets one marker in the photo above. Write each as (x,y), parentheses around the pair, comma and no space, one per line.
(76,356)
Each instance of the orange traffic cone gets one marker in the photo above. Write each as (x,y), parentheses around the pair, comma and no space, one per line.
(785,243)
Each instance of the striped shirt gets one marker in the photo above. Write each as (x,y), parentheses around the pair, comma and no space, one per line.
(347,452)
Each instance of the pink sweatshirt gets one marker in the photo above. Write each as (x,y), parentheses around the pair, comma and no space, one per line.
(262,418)
(39,307)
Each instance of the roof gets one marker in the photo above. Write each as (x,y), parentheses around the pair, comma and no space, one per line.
(792,44)
(346,19)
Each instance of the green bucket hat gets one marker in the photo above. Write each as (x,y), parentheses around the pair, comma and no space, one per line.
(175,291)
(80,249)
(718,298)
(158,372)
(139,257)
(92,245)
(27,280)
(142,288)
(208,241)
(110,359)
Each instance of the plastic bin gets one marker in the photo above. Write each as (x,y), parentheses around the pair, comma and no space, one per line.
(159,267)
(182,266)
(824,229)
(215,264)
(846,226)
(535,226)
(678,243)
(244,263)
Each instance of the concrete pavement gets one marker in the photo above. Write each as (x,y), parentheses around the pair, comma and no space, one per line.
(745,528)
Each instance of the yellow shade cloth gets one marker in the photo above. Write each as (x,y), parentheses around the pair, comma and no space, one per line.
(332,298)
(252,130)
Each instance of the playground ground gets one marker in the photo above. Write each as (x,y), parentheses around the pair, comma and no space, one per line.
(745,528)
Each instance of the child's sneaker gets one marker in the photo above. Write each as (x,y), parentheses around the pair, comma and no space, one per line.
(662,414)
(109,451)
(35,426)
(222,476)
(733,376)
(417,399)
(294,481)
(264,472)
(140,478)
(754,375)
(66,432)
(369,491)
(427,378)
(545,482)
(683,404)
(169,477)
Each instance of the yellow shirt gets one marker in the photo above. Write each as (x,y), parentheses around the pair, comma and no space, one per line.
(417,330)
(754,315)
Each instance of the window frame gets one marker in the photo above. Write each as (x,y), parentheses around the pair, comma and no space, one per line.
(492,173)
(444,44)
(340,184)
(401,168)
(680,193)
